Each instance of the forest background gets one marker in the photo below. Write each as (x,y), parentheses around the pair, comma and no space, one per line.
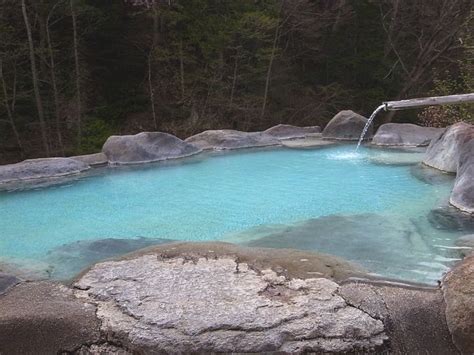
(73,72)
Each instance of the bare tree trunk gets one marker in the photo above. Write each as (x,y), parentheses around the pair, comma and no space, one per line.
(34,74)
(9,111)
(270,65)
(78,74)
(181,68)
(155,16)
(55,87)
(234,80)
(150,89)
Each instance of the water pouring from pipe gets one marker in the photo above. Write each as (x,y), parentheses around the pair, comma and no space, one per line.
(415,103)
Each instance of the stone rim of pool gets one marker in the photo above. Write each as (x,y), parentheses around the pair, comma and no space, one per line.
(398,301)
(165,149)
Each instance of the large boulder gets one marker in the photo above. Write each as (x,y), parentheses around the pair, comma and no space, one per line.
(458,289)
(404,134)
(346,125)
(37,169)
(146,147)
(445,150)
(286,131)
(453,151)
(205,305)
(231,139)
(45,318)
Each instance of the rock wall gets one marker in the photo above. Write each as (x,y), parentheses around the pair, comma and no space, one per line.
(453,151)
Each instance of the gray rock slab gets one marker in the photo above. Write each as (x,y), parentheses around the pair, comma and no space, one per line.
(153,305)
(346,125)
(286,131)
(37,169)
(97,159)
(45,318)
(231,139)
(458,290)
(404,134)
(146,147)
(414,318)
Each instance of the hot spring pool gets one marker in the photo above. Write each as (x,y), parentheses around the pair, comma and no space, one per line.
(328,200)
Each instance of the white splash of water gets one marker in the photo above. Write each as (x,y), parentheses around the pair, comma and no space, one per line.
(346,156)
(367,125)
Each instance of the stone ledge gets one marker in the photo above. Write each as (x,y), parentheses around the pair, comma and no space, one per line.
(38,169)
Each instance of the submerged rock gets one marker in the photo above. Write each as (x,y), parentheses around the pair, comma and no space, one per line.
(231,139)
(404,134)
(153,305)
(466,243)
(458,289)
(402,252)
(451,219)
(37,169)
(286,131)
(453,151)
(430,175)
(396,158)
(146,147)
(346,125)
(68,260)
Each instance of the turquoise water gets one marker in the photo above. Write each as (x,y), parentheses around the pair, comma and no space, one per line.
(246,197)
